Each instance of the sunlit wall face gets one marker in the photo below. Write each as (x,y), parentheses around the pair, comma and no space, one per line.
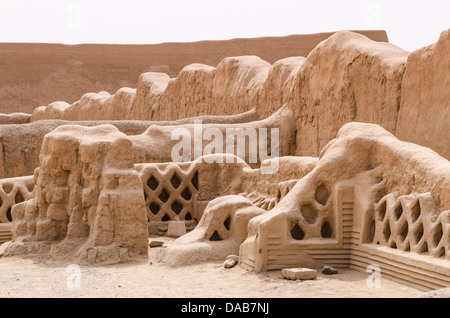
(410,24)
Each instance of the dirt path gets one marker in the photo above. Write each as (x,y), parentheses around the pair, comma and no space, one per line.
(27,278)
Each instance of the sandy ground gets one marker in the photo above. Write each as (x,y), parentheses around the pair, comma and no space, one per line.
(28,278)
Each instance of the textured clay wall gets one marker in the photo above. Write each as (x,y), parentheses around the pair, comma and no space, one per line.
(347,77)
(424,116)
(14,118)
(20,144)
(38,74)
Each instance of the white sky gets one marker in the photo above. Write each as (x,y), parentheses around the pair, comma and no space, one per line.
(410,24)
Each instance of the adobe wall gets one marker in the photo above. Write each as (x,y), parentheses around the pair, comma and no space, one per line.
(38,74)
(20,144)
(425,101)
(14,118)
(347,77)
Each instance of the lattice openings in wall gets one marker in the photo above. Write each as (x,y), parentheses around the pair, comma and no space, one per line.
(411,223)
(268,202)
(315,219)
(12,191)
(169,190)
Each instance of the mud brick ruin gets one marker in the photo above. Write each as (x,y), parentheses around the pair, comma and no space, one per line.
(362,168)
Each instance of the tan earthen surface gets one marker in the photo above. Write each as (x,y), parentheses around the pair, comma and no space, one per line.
(424,110)
(346,191)
(39,74)
(347,77)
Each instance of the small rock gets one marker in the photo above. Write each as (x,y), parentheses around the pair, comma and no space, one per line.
(328,270)
(156,243)
(229,263)
(233,257)
(299,273)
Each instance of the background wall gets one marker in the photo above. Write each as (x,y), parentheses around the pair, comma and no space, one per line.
(34,74)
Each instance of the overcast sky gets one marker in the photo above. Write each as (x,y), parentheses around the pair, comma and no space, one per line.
(410,24)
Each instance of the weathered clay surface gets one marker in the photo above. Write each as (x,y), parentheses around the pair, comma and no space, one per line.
(5,232)
(150,88)
(160,137)
(279,85)
(14,191)
(89,204)
(21,143)
(425,102)
(38,74)
(369,194)
(69,218)
(219,233)
(14,118)
(231,88)
(223,204)
(347,77)
(368,201)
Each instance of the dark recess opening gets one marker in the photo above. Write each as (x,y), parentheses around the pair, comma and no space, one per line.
(326,230)
(382,211)
(154,208)
(8,215)
(195,181)
(215,237)
(176,207)
(152,183)
(424,248)
(19,197)
(438,233)
(415,211)
(387,231)
(403,232)
(226,223)
(175,181)
(371,231)
(398,212)
(297,233)
(186,194)
(418,234)
(164,196)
